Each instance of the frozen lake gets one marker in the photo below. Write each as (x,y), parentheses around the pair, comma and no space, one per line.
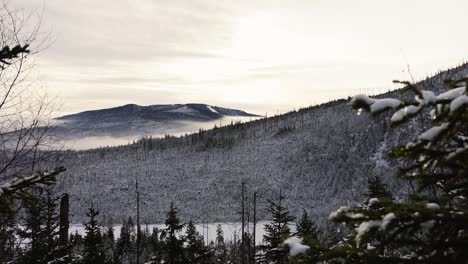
(230,230)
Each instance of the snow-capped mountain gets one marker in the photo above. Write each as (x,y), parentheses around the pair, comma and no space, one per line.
(136,121)
(174,112)
(319,157)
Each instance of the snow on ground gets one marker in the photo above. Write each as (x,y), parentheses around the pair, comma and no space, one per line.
(184,109)
(212,109)
(230,230)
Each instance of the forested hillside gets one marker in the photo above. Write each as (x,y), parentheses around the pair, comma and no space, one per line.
(319,157)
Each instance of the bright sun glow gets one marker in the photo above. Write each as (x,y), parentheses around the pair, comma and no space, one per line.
(266,36)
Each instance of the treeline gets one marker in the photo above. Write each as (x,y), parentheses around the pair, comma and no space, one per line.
(319,156)
(429,226)
(39,233)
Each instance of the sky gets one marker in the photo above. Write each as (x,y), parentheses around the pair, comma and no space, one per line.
(263,56)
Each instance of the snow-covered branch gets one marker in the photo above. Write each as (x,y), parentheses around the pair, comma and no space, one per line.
(20,181)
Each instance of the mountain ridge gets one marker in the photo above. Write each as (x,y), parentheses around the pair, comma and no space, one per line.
(319,157)
(214,111)
(132,120)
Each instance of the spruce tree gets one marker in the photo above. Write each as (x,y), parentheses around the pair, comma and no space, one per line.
(220,250)
(125,245)
(8,229)
(432,225)
(93,247)
(276,232)
(306,228)
(195,249)
(173,242)
(108,241)
(377,189)
(41,222)
(156,246)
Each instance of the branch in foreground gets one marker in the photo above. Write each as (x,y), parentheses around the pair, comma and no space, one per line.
(21,181)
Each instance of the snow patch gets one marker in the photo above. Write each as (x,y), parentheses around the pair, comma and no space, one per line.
(373,201)
(432,206)
(383,104)
(340,210)
(451,94)
(458,102)
(386,220)
(365,227)
(212,109)
(401,114)
(429,97)
(295,246)
(184,109)
(433,132)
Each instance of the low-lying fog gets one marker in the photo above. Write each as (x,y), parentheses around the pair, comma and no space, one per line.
(89,141)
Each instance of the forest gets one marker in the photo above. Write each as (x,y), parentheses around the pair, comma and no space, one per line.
(428,226)
(368,179)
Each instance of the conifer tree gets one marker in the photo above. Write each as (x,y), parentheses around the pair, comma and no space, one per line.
(108,241)
(145,245)
(8,229)
(276,232)
(173,242)
(195,248)
(125,245)
(220,250)
(377,189)
(93,247)
(156,246)
(432,225)
(306,228)
(41,221)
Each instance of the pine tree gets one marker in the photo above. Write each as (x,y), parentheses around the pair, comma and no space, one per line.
(173,243)
(306,228)
(156,246)
(276,232)
(93,247)
(432,226)
(377,189)
(41,228)
(220,251)
(145,245)
(195,249)
(108,241)
(125,245)
(8,229)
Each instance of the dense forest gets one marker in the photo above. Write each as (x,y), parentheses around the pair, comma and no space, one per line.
(427,226)
(320,157)
(381,179)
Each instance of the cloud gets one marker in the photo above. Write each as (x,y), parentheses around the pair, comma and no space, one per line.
(231,53)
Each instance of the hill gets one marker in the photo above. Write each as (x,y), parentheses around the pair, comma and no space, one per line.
(138,121)
(320,157)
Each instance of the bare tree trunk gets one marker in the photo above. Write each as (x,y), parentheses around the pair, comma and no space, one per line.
(64,220)
(138,238)
(243,225)
(254,226)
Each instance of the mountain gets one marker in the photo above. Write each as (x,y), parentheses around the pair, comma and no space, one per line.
(318,157)
(137,121)
(159,113)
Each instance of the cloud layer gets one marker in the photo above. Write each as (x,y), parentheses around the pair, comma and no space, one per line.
(261,56)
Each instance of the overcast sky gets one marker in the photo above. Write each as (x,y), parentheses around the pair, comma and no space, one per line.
(261,56)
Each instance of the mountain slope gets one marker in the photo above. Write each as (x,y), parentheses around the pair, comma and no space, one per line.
(135,120)
(319,157)
(193,112)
